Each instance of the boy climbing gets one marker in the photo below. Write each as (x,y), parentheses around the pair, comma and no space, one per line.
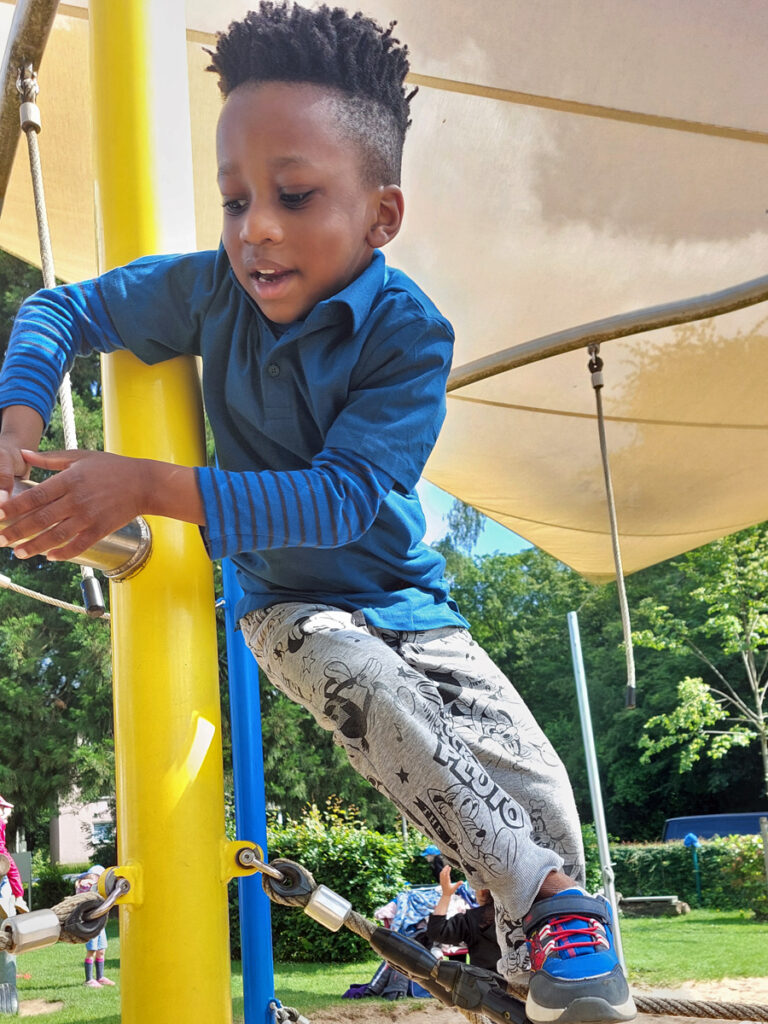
(324,379)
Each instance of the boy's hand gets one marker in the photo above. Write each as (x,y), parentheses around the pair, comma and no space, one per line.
(12,465)
(93,494)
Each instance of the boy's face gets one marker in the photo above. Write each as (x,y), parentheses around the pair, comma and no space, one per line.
(299,222)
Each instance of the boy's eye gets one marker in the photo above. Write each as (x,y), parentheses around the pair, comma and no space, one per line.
(294,199)
(232,206)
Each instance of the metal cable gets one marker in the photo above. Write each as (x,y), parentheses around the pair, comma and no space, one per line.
(28,89)
(595,366)
(8,584)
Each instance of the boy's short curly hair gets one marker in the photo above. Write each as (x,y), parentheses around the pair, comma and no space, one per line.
(349,54)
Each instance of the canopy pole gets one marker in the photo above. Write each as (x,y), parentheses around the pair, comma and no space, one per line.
(30,28)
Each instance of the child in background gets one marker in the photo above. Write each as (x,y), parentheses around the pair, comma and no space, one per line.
(96,948)
(324,374)
(474,928)
(13,878)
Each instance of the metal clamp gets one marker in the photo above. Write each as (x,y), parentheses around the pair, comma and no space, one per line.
(328,908)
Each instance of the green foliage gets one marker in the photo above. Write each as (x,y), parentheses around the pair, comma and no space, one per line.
(365,867)
(690,724)
(731,868)
(718,613)
(49,884)
(591,857)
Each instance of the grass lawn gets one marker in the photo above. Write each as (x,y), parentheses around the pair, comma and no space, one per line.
(702,945)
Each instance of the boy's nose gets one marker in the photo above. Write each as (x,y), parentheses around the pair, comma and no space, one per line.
(261,224)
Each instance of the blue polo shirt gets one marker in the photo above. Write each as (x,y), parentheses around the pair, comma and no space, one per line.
(322,427)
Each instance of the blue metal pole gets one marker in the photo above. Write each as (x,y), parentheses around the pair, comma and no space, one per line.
(250,809)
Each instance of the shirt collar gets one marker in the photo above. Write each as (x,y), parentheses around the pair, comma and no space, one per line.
(358,296)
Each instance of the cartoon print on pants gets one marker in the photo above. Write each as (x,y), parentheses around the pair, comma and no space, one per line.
(481,840)
(349,698)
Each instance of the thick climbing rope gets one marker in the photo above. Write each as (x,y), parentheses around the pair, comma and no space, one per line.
(686,1007)
(292,885)
(595,367)
(75,922)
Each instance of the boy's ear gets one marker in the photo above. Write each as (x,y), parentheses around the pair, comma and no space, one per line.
(389,216)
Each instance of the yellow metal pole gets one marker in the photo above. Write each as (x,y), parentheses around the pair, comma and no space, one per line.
(174,939)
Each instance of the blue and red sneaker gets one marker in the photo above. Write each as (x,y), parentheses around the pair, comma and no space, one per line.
(576,976)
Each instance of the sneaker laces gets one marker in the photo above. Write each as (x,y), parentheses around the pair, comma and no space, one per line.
(569,935)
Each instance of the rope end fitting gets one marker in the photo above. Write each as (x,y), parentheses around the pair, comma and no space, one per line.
(29,117)
(595,366)
(93,598)
(27,88)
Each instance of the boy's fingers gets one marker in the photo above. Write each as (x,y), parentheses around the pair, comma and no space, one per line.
(59,459)
(61,536)
(31,511)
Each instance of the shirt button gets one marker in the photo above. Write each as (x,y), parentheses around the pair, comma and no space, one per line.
(273,370)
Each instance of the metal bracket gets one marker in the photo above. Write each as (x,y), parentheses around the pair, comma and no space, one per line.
(130,873)
(240,859)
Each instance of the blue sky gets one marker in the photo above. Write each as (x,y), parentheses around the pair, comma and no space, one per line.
(436,504)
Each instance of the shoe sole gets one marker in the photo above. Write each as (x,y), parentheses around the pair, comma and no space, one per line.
(586,1010)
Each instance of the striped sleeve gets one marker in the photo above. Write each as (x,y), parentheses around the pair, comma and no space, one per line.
(332,503)
(52,327)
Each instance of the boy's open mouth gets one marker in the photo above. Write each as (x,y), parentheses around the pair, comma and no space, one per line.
(269,284)
(270,276)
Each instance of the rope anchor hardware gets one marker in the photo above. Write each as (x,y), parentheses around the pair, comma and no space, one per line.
(120,888)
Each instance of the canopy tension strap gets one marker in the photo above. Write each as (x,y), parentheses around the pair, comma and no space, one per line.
(29,114)
(595,366)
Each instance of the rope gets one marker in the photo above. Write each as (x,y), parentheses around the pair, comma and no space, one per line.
(679,1007)
(70,913)
(8,584)
(595,367)
(28,89)
(305,885)
(280,1014)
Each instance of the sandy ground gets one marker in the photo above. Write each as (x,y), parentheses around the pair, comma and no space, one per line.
(429,1011)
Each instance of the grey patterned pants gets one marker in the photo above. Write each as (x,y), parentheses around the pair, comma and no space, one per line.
(432,723)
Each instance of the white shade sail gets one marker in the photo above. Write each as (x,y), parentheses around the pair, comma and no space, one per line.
(568,161)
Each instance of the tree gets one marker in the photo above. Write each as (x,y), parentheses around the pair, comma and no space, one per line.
(465,524)
(719,614)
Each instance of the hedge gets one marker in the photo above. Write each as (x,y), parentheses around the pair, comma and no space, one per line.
(367,868)
(732,872)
